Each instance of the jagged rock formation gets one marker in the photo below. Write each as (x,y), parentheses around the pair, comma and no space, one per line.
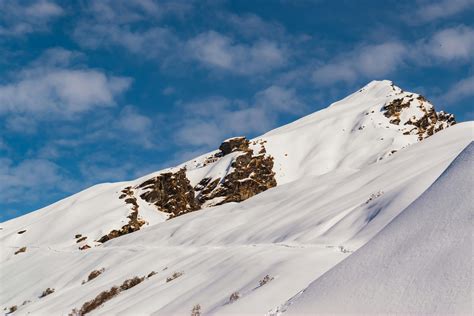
(171,192)
(416,115)
(134,220)
(233,144)
(251,175)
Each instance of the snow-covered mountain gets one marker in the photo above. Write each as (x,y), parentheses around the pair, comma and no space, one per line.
(254,226)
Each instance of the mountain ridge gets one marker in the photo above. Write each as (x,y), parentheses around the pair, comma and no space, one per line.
(336,187)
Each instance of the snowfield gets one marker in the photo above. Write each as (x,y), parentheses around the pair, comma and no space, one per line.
(346,177)
(420,263)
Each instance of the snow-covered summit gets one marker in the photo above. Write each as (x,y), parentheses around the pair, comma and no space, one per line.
(364,128)
(289,204)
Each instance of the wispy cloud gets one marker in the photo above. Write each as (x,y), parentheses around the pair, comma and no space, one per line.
(368,61)
(460,90)
(111,24)
(22,17)
(218,51)
(31,178)
(433,10)
(208,121)
(456,43)
(55,87)
(373,61)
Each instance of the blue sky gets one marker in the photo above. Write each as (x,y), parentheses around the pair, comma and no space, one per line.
(97,91)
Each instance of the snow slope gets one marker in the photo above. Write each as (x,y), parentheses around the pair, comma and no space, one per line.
(421,263)
(347,136)
(343,174)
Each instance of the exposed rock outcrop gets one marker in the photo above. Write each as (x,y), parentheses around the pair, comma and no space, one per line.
(416,116)
(171,192)
(134,220)
(250,175)
(233,144)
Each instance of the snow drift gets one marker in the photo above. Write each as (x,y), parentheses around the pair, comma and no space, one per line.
(420,263)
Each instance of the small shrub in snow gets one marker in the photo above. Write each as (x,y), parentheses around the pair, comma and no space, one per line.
(94,274)
(22,249)
(196,311)
(174,276)
(152,273)
(373,196)
(128,284)
(85,247)
(12,309)
(100,299)
(105,296)
(234,297)
(81,239)
(47,292)
(265,280)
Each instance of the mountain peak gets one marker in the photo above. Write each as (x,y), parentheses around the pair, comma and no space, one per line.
(329,181)
(368,126)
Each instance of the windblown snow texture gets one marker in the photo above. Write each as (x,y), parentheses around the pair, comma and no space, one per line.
(420,263)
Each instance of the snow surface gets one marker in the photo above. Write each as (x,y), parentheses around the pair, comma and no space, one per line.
(420,263)
(339,185)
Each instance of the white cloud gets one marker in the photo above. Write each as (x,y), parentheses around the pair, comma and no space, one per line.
(114,23)
(251,25)
(280,99)
(168,90)
(433,10)
(59,90)
(30,179)
(133,127)
(19,18)
(207,122)
(455,43)
(132,121)
(460,90)
(153,42)
(369,61)
(218,51)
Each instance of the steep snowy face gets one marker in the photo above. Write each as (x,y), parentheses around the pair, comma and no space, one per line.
(364,128)
(420,263)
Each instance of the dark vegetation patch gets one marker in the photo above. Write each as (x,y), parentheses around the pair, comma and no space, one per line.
(234,297)
(152,273)
(46,292)
(265,280)
(12,309)
(105,296)
(175,275)
(196,311)
(94,274)
(81,239)
(85,247)
(22,249)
